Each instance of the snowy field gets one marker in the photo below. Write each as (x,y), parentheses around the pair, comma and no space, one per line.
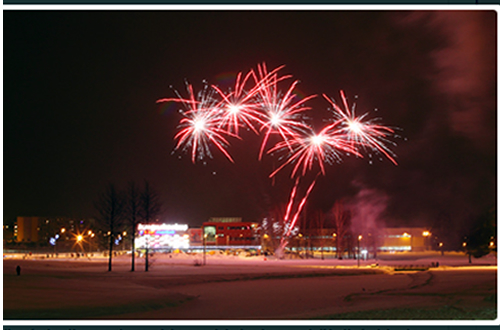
(177,287)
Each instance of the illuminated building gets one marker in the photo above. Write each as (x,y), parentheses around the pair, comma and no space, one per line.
(231,231)
(26,229)
(405,239)
(162,236)
(195,236)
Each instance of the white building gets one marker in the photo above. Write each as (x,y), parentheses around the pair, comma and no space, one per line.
(162,236)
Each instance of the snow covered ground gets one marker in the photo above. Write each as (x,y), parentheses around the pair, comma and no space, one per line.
(242,287)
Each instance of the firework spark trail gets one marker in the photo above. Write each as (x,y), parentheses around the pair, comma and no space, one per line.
(290,202)
(239,108)
(299,208)
(283,116)
(200,125)
(266,77)
(324,147)
(283,241)
(362,132)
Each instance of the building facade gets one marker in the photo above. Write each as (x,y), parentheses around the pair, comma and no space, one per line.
(26,229)
(162,236)
(231,231)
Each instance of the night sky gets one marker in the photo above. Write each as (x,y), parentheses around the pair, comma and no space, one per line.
(80,92)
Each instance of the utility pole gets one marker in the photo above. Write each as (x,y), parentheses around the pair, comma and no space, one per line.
(204,246)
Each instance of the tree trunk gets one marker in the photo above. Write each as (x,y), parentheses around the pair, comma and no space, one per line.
(133,249)
(110,252)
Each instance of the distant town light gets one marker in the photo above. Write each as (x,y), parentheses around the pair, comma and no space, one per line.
(426,233)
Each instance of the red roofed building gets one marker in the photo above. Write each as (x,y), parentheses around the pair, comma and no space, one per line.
(231,231)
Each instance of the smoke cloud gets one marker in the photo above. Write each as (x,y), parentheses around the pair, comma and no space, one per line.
(367,210)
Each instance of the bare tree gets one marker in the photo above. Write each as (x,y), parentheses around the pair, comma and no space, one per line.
(150,203)
(340,219)
(110,209)
(150,207)
(132,209)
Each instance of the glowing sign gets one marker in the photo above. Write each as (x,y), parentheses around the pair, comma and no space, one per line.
(163,227)
(159,236)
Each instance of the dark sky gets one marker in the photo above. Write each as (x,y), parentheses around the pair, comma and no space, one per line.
(79,108)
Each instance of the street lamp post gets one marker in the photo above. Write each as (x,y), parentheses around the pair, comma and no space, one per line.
(147,253)
(426,235)
(264,242)
(336,245)
(63,230)
(299,248)
(79,239)
(90,234)
(204,248)
(359,239)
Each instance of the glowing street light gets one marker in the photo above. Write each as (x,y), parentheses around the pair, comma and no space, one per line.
(265,242)
(79,239)
(299,245)
(426,234)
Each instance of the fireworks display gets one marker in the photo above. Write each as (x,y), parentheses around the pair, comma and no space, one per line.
(362,133)
(213,116)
